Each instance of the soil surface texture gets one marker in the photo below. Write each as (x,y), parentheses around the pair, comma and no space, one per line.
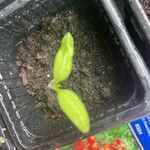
(146,6)
(94,76)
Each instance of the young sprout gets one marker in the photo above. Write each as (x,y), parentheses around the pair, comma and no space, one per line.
(70,103)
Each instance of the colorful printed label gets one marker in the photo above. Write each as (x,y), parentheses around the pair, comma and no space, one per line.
(118,138)
(141,131)
(132,136)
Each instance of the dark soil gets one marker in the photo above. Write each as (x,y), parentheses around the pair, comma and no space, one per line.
(146,6)
(94,75)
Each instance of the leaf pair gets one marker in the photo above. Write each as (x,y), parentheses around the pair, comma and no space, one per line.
(69,102)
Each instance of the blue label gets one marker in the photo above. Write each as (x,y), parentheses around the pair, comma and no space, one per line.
(141,130)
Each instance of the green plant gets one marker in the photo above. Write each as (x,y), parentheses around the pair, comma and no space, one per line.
(70,103)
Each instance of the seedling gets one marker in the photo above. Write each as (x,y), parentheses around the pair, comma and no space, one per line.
(70,103)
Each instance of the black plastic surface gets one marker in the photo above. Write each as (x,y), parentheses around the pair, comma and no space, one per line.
(8,144)
(5,3)
(138,25)
(24,121)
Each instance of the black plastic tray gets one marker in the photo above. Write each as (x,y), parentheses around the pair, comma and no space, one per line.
(138,25)
(23,120)
(8,144)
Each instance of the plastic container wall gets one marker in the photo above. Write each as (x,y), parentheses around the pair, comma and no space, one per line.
(23,120)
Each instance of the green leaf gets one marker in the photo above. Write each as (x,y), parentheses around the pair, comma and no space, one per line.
(63,59)
(74,109)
